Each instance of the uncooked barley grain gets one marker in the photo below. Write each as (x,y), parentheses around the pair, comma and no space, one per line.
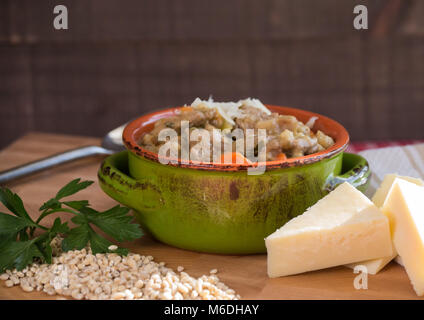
(82,275)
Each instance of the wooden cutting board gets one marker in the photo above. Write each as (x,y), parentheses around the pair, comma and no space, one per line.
(245,274)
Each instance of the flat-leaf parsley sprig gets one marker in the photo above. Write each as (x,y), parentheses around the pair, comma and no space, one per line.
(19,247)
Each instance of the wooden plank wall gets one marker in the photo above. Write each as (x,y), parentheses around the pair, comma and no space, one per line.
(120,59)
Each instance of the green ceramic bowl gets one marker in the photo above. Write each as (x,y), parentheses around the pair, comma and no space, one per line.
(220,208)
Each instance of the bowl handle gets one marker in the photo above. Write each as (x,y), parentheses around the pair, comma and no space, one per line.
(116,182)
(355,170)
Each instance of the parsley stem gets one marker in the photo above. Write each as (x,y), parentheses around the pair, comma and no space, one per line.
(36,225)
(47,213)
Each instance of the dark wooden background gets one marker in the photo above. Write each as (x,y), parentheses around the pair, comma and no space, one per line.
(120,59)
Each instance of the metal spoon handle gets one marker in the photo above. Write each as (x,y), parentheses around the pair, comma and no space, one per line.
(51,161)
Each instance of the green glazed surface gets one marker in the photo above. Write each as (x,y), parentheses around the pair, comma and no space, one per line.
(222,212)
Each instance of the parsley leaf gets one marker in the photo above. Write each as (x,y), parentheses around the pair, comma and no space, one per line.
(77,205)
(99,244)
(43,242)
(12,225)
(116,223)
(79,237)
(71,188)
(6,239)
(18,254)
(14,203)
(18,247)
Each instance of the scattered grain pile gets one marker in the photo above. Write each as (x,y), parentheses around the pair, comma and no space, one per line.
(82,275)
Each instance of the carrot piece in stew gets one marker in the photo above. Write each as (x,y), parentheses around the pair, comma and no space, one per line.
(236,157)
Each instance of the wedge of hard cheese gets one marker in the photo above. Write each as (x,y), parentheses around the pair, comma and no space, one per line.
(343,227)
(404,206)
(398,260)
(375,265)
(382,192)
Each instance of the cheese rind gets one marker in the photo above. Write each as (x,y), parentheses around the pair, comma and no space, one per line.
(404,206)
(343,227)
(380,196)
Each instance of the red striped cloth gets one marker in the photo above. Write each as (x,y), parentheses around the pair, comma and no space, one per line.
(356,147)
